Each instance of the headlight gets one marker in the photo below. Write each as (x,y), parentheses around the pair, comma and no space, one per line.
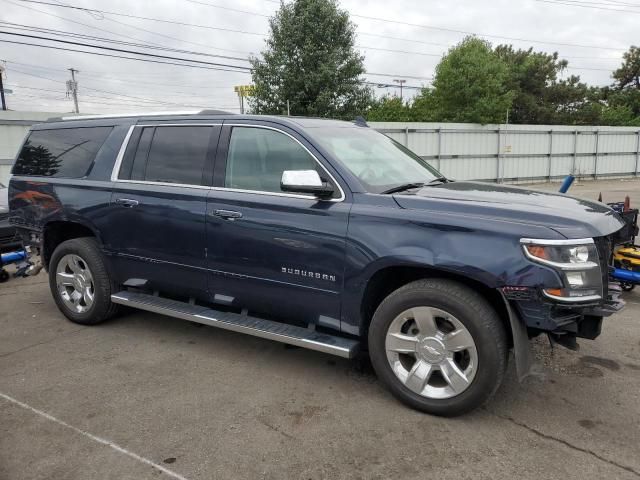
(576,261)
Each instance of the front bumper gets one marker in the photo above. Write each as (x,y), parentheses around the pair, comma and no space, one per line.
(581,320)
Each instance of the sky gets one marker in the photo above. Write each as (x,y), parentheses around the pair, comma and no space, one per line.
(591,34)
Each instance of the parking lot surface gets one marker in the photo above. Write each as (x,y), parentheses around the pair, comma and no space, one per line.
(146,396)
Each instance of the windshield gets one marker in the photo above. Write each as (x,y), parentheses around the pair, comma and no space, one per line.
(378,161)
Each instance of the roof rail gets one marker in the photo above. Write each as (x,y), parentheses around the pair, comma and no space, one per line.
(142,114)
(215,112)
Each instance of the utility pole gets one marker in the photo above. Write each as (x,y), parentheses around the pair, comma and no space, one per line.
(400,81)
(4,103)
(72,88)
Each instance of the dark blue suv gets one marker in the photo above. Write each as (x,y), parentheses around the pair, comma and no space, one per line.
(317,233)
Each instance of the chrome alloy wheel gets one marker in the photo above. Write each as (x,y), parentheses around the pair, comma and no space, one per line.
(431,352)
(75,283)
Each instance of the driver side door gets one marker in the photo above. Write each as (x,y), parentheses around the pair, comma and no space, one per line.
(275,253)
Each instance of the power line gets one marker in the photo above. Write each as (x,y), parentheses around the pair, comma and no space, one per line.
(72,21)
(464,32)
(152,101)
(238,68)
(119,14)
(49,31)
(581,5)
(149,100)
(103,76)
(412,77)
(88,10)
(121,23)
(428,27)
(260,34)
(442,29)
(405,39)
(439,55)
(197,97)
(229,9)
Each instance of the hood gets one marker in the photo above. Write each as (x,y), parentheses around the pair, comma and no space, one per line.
(571,217)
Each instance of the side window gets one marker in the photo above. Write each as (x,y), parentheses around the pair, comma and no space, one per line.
(258,156)
(167,154)
(63,152)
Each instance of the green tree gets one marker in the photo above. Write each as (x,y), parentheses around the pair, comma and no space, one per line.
(620,106)
(470,85)
(389,109)
(310,61)
(531,76)
(628,75)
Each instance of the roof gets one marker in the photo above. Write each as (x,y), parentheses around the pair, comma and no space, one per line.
(305,122)
(140,114)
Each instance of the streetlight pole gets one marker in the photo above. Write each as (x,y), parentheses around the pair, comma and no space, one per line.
(400,81)
(4,103)
(72,87)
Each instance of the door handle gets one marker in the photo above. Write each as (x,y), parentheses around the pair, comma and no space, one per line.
(127,202)
(227,214)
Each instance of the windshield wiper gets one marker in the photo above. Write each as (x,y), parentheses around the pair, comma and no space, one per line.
(403,187)
(438,181)
(409,186)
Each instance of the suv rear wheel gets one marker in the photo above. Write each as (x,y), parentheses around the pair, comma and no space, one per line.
(438,346)
(80,282)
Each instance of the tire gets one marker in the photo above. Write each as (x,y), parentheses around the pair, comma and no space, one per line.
(627,287)
(77,265)
(413,334)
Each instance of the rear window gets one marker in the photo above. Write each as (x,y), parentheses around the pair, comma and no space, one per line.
(65,152)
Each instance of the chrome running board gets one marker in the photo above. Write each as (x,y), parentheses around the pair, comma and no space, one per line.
(258,327)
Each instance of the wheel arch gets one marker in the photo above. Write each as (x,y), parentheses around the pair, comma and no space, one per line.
(57,231)
(389,278)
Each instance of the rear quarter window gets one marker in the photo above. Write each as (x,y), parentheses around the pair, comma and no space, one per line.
(64,152)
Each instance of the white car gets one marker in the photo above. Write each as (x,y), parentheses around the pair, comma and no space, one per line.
(4,197)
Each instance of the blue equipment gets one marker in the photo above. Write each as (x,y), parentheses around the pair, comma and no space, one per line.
(20,257)
(13,257)
(566,183)
(626,275)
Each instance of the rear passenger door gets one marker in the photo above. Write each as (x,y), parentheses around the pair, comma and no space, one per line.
(274,253)
(158,205)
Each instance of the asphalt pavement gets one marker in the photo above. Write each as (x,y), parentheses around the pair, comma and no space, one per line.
(145,396)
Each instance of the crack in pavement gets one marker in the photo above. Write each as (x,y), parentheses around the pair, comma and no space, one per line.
(568,444)
(44,342)
(275,429)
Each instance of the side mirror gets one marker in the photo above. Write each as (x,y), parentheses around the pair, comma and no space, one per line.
(305,181)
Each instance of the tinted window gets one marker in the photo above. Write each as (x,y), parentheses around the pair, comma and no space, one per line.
(65,152)
(176,155)
(257,157)
(140,154)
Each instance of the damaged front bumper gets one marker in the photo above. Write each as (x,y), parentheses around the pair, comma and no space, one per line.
(531,315)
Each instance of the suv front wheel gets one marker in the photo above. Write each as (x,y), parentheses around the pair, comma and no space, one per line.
(438,346)
(80,282)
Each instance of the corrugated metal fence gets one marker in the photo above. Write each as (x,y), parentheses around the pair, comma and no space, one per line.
(520,153)
(504,153)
